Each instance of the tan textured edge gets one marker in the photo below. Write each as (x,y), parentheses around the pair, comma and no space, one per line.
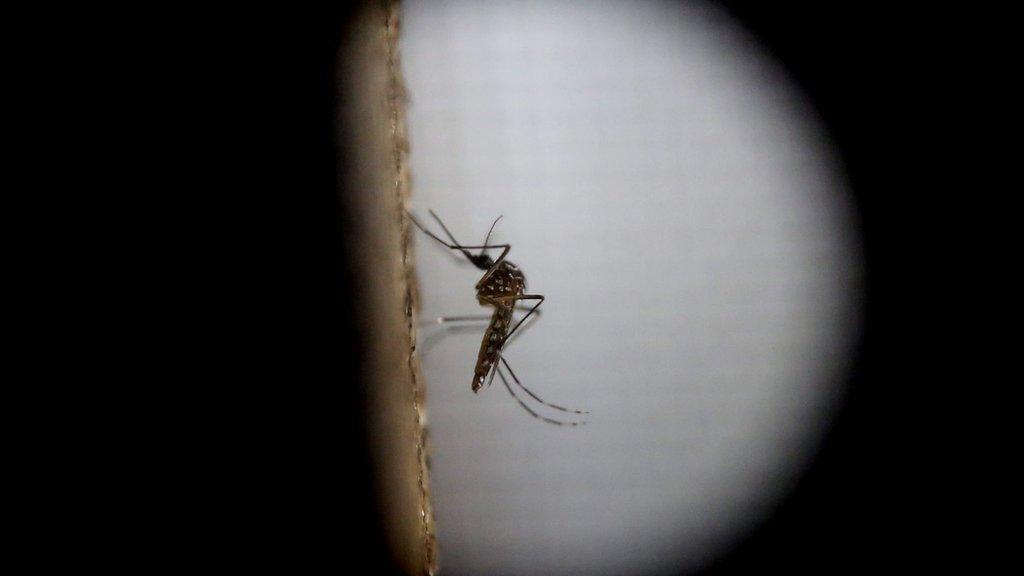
(402,190)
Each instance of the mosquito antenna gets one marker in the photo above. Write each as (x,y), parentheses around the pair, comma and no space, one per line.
(535,397)
(527,408)
(449,233)
(489,232)
(435,237)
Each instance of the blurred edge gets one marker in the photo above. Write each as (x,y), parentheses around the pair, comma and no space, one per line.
(372,139)
(857,506)
(346,469)
(371,148)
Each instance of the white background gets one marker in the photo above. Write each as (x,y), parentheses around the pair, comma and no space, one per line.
(667,189)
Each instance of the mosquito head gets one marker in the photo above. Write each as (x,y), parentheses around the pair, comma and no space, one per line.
(481,261)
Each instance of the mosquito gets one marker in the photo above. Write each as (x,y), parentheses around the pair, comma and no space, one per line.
(502,286)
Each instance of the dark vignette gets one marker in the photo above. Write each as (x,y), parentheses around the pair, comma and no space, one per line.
(857,505)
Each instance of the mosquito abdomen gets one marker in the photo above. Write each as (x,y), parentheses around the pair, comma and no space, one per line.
(490,347)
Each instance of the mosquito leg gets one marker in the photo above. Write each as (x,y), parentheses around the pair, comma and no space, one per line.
(537,314)
(443,227)
(535,397)
(527,408)
(490,271)
(476,261)
(478,317)
(494,370)
(504,301)
(461,324)
(453,245)
(470,318)
(523,319)
(427,342)
(456,246)
(454,241)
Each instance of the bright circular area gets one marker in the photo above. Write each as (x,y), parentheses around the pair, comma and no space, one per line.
(672,195)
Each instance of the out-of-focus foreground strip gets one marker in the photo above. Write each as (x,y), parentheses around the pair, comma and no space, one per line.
(372,133)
